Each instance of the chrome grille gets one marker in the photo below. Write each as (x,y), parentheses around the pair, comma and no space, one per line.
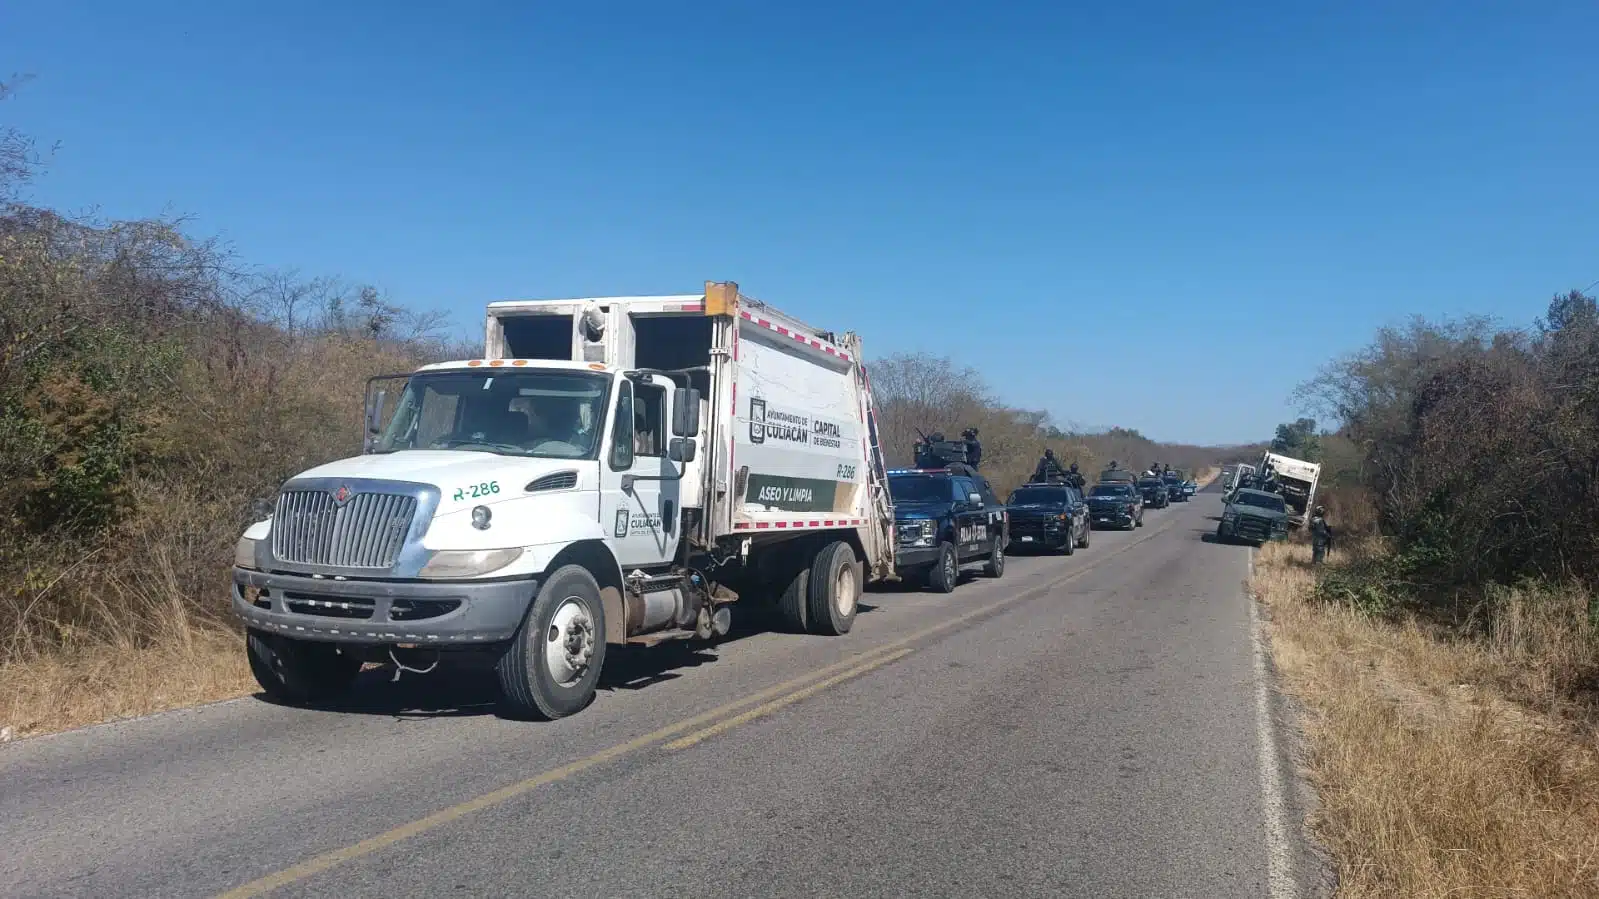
(367,531)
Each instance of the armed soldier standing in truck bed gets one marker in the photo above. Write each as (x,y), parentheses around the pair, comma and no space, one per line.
(1075,479)
(974,449)
(1048,467)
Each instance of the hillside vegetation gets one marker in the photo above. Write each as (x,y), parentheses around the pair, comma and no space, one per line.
(1448,657)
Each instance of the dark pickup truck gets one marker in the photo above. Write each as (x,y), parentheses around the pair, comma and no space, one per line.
(946,520)
(1115,504)
(1156,496)
(1253,516)
(1050,517)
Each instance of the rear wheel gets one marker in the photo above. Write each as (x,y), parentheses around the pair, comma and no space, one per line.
(946,571)
(552,667)
(835,589)
(996,558)
(299,672)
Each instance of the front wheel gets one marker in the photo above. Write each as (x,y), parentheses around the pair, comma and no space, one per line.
(946,571)
(299,672)
(552,667)
(1070,546)
(1087,531)
(996,559)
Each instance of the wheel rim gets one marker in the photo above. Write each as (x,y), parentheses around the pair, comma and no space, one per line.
(999,556)
(845,591)
(569,642)
(950,567)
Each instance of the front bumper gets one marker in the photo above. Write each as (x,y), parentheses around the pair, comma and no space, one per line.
(377,612)
(1117,516)
(1024,532)
(910,558)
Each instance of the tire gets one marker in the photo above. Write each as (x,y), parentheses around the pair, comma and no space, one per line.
(793,603)
(1139,521)
(1070,546)
(547,678)
(299,672)
(996,559)
(945,573)
(1221,534)
(1087,535)
(834,590)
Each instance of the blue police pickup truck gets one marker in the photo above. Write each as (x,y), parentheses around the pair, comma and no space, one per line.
(945,521)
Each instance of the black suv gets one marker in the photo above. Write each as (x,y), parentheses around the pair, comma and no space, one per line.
(1115,504)
(1176,487)
(1154,492)
(1048,516)
(945,520)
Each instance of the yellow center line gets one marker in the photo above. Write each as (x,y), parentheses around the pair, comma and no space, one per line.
(774,698)
(727,724)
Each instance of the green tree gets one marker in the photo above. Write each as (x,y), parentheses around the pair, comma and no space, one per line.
(1298,439)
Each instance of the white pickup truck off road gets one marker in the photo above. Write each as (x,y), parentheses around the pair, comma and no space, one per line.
(615,471)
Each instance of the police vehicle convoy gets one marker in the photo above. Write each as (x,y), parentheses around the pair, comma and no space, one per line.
(614,471)
(946,516)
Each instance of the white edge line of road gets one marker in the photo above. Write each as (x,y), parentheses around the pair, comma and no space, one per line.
(1280,880)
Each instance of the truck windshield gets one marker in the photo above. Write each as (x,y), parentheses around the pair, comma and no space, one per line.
(1261,501)
(1111,490)
(1039,496)
(920,489)
(551,414)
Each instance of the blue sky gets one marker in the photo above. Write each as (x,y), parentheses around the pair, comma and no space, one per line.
(1113,214)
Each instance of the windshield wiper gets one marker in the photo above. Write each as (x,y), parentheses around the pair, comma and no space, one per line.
(503,447)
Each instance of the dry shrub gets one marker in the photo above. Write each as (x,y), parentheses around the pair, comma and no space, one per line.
(1435,778)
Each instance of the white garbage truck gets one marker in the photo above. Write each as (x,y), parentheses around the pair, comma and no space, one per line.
(615,471)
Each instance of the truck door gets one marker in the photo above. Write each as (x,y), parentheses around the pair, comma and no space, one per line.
(971,520)
(641,521)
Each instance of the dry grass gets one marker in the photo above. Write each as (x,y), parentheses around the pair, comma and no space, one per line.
(1446,767)
(56,691)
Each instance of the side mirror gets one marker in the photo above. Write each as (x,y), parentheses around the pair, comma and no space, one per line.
(374,411)
(682,450)
(975,499)
(685,413)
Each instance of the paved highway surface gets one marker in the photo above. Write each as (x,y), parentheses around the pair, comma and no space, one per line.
(1087,726)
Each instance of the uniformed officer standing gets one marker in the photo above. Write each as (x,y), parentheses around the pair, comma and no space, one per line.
(1321,535)
(1075,479)
(974,449)
(1047,466)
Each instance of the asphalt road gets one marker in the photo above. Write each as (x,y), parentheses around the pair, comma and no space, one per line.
(1085,726)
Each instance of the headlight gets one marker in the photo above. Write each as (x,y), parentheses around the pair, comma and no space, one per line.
(450,563)
(244,553)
